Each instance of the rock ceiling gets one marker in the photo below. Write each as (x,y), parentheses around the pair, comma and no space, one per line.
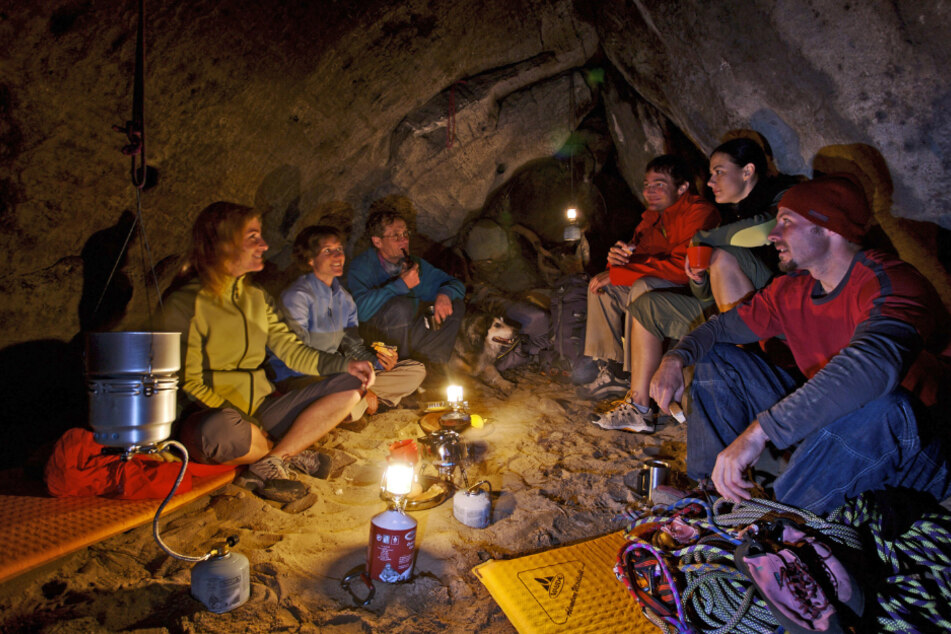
(308,108)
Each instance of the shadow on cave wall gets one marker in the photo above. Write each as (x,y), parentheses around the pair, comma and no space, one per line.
(43,391)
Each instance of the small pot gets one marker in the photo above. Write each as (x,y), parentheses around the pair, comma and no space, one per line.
(445,449)
(120,353)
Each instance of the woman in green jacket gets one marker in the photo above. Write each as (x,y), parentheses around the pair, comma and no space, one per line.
(227,325)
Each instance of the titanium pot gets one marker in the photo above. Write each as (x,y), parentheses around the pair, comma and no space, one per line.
(124,353)
(132,382)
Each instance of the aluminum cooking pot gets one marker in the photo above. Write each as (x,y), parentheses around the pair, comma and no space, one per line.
(132,383)
(122,353)
(132,412)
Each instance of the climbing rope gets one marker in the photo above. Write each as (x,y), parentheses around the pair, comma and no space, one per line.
(717,597)
(752,510)
(720,598)
(910,574)
(134,130)
(913,593)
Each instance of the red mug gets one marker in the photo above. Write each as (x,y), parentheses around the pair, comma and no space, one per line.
(699,257)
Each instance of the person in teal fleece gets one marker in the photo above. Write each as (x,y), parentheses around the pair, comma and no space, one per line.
(402,299)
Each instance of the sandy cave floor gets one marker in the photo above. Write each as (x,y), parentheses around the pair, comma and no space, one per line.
(558,479)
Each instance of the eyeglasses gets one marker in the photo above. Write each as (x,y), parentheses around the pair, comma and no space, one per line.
(655,187)
(329,251)
(398,236)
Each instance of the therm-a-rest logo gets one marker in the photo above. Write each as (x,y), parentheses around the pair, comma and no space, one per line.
(552,584)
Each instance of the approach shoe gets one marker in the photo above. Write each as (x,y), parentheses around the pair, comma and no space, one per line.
(804,583)
(606,385)
(625,416)
(270,479)
(312,463)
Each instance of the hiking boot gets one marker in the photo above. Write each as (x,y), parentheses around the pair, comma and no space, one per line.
(270,468)
(312,463)
(270,479)
(606,385)
(626,416)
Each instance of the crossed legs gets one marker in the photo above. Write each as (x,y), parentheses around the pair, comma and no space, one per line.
(296,420)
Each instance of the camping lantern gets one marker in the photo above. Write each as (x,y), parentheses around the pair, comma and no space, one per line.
(459,415)
(572,230)
(391,552)
(398,481)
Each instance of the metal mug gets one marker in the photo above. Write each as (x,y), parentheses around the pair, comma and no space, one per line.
(653,474)
(429,319)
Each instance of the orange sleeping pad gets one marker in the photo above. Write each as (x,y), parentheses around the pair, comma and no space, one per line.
(36,529)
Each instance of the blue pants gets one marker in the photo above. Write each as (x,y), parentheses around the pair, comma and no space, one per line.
(880,444)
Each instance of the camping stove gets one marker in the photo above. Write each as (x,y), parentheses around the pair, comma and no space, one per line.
(132,378)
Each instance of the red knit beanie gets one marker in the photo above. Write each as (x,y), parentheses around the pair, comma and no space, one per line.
(835,202)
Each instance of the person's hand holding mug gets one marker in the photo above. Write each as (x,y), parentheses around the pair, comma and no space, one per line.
(620,253)
(697,262)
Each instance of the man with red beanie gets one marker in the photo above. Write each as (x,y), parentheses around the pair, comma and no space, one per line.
(870,337)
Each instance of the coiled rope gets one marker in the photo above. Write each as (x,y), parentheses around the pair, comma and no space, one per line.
(913,592)
(716,597)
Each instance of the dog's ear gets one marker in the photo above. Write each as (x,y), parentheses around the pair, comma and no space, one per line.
(476,334)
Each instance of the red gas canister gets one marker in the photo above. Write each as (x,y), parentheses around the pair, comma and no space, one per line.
(392,549)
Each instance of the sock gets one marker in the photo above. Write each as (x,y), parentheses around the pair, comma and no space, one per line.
(643,409)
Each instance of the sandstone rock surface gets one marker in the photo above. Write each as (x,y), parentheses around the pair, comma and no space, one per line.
(301,107)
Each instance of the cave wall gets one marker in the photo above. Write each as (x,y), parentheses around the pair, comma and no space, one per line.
(303,106)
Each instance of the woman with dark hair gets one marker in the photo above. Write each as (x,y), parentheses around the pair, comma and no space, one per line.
(227,324)
(742,260)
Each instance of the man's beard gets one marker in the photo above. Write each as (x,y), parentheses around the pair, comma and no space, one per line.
(788,266)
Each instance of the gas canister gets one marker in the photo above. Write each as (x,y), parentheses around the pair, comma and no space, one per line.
(391,553)
(223,582)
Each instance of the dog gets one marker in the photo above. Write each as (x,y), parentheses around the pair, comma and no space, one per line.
(482,338)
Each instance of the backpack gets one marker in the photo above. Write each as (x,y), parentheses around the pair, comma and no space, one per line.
(533,335)
(569,311)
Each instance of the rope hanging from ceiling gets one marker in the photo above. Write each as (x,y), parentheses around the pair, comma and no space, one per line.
(134,130)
